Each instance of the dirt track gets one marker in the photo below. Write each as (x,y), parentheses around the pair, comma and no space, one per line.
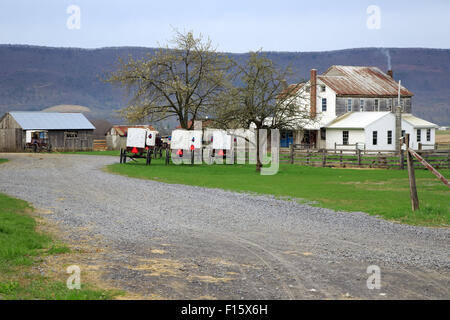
(172,241)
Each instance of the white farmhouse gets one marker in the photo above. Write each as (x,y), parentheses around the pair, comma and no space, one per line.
(354,107)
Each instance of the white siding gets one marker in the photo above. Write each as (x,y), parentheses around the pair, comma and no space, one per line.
(354,136)
(382,126)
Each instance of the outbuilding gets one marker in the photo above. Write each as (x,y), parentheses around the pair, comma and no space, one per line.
(65,131)
(376,131)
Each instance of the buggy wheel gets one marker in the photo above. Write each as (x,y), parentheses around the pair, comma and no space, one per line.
(124,160)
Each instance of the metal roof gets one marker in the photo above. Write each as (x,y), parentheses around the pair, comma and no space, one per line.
(290,90)
(122,130)
(417,122)
(51,121)
(361,81)
(356,120)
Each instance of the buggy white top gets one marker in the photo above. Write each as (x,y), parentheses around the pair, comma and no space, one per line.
(184,139)
(140,138)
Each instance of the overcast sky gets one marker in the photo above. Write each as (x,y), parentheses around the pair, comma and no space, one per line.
(233,25)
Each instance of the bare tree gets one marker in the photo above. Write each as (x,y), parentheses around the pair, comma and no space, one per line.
(181,81)
(263,100)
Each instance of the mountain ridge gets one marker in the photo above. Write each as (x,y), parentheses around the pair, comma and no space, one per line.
(36,77)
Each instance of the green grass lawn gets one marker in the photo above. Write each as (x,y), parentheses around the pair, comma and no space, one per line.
(21,249)
(377,192)
(3,161)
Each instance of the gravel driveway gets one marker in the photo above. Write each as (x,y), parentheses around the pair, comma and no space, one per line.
(175,241)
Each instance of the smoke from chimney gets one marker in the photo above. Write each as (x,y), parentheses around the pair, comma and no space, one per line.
(388,56)
(313,92)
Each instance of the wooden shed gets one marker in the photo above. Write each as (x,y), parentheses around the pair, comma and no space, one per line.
(66,131)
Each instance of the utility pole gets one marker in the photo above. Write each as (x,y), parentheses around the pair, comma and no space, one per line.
(412,177)
(398,122)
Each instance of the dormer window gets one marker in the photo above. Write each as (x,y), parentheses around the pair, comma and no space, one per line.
(389,104)
(361,105)
(324,104)
(349,105)
(376,106)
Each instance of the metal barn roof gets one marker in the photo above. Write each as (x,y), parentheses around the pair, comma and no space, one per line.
(361,81)
(51,121)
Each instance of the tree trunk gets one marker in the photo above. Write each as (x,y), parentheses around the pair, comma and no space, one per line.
(258,162)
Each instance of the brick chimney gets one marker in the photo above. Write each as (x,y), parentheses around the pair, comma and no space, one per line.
(390,73)
(313,92)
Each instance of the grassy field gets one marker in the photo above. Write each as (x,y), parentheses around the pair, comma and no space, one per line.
(377,192)
(3,161)
(443,136)
(22,249)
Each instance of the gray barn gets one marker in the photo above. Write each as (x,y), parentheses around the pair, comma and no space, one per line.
(66,131)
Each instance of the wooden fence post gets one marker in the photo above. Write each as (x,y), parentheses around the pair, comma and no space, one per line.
(358,151)
(324,158)
(412,177)
(292,154)
(340,159)
(167,161)
(402,160)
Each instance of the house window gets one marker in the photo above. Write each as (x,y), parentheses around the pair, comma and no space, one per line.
(324,104)
(349,105)
(323,134)
(389,137)
(389,104)
(428,134)
(403,133)
(345,137)
(376,106)
(71,134)
(375,138)
(361,105)
(322,88)
(419,135)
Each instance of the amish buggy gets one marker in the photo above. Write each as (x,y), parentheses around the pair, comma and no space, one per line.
(141,143)
(37,141)
(183,140)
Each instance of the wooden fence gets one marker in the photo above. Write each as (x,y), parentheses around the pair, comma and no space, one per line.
(360,158)
(100,145)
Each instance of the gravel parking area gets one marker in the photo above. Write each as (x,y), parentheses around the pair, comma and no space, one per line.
(180,242)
